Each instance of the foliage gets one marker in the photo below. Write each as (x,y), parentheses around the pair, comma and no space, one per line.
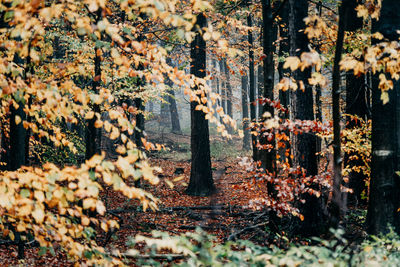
(63,207)
(44,152)
(64,60)
(201,249)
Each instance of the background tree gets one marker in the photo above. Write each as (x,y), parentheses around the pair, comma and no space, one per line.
(245,112)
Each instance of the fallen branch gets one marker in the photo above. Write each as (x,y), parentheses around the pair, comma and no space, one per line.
(233,236)
(155,256)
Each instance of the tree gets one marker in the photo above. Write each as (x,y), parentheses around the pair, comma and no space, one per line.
(384,197)
(357,104)
(252,93)
(175,124)
(284,95)
(229,94)
(303,109)
(268,156)
(201,182)
(245,113)
(93,138)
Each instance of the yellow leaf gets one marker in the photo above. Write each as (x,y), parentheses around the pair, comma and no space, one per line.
(85,221)
(177,179)
(169,183)
(17,119)
(100,208)
(38,215)
(98,124)
(89,115)
(11,235)
(292,63)
(39,196)
(107,126)
(114,134)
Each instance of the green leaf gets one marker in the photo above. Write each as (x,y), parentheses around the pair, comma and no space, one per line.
(8,16)
(25,193)
(92,175)
(88,254)
(42,251)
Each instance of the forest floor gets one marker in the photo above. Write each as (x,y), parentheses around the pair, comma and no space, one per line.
(226,214)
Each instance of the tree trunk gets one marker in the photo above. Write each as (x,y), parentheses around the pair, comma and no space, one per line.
(92,133)
(175,124)
(201,181)
(356,104)
(338,198)
(164,113)
(305,144)
(318,101)
(139,129)
(219,91)
(17,138)
(229,95)
(384,195)
(245,113)
(284,96)
(260,88)
(268,156)
(252,86)
(223,86)
(18,143)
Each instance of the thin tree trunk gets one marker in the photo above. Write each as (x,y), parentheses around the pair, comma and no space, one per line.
(284,96)
(260,88)
(384,198)
(175,124)
(201,181)
(268,157)
(92,133)
(139,129)
(245,113)
(223,85)
(338,200)
(229,95)
(252,85)
(318,101)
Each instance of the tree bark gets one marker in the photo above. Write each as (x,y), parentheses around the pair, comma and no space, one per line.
(201,182)
(384,195)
